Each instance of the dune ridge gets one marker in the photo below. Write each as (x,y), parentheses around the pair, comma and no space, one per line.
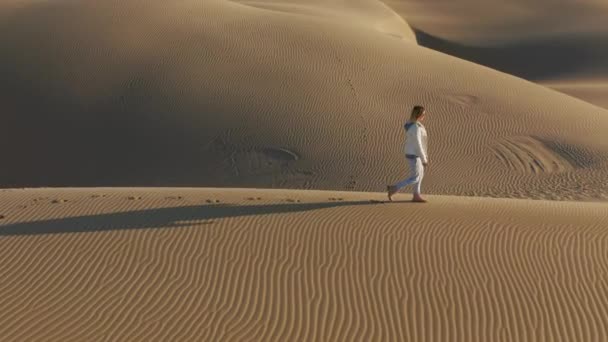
(142,264)
(495,22)
(538,41)
(368,13)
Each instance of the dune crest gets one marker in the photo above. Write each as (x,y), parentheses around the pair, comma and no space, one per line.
(495,22)
(537,40)
(373,14)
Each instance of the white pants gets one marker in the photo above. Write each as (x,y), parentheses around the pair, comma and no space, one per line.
(416,174)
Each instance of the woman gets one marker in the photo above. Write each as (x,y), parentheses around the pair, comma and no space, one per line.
(415,152)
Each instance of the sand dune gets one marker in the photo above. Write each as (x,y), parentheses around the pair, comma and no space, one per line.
(164,264)
(219,93)
(565,43)
(308,95)
(493,22)
(372,14)
(591,90)
(552,58)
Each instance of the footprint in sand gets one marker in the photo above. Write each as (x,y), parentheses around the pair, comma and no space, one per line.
(291,200)
(56,201)
(177,198)
(2,217)
(212,201)
(97,196)
(254,198)
(133,198)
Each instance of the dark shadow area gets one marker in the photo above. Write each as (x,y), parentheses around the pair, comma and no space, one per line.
(533,59)
(136,132)
(164,217)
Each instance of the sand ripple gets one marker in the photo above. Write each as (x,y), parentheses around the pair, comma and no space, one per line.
(172,267)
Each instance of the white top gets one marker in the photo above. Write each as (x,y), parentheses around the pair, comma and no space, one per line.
(416,140)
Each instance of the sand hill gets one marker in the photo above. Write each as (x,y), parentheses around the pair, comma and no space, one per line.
(563,45)
(237,94)
(310,97)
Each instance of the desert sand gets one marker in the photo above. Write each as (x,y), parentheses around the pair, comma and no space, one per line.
(293,265)
(560,44)
(213,170)
(219,93)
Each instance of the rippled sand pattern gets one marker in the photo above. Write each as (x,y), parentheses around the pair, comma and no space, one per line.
(239,265)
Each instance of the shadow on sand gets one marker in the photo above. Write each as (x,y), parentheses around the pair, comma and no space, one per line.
(537,59)
(173,217)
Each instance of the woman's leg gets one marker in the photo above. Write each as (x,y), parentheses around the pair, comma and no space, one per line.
(415,175)
(420,172)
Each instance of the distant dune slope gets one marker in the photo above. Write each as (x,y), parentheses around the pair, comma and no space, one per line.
(372,14)
(591,90)
(554,43)
(494,21)
(265,265)
(218,93)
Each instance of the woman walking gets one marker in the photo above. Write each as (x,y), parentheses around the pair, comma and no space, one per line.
(415,152)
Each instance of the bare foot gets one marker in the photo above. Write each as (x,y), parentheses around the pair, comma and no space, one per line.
(391,190)
(418,199)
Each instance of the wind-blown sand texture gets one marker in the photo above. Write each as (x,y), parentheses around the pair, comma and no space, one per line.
(302,95)
(289,265)
(262,94)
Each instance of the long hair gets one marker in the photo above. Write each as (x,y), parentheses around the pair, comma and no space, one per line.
(417,112)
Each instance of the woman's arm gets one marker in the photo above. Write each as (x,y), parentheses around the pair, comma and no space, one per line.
(419,147)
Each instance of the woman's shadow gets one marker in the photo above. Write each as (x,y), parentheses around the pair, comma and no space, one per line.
(173,217)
